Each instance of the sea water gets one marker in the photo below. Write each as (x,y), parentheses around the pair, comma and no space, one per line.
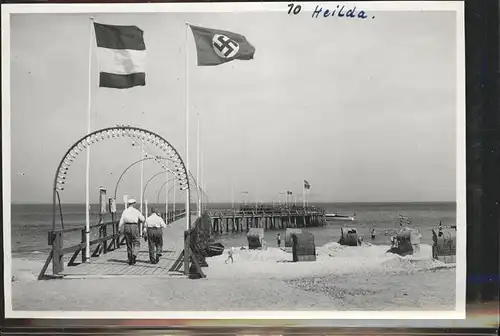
(30,224)
(381,216)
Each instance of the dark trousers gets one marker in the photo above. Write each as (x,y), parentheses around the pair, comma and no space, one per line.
(132,237)
(155,244)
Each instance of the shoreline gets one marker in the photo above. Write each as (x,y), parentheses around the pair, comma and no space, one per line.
(341,278)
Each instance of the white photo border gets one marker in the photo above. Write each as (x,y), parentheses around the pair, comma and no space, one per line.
(456,6)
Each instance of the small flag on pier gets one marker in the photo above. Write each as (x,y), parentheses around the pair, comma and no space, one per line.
(215,47)
(307,185)
(122,55)
(289,193)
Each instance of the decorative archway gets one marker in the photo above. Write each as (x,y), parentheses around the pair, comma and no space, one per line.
(151,179)
(156,158)
(198,188)
(180,170)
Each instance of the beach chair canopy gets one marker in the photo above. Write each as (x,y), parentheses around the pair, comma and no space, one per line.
(256,233)
(288,236)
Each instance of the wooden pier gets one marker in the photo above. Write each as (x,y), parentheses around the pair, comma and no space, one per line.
(109,256)
(108,253)
(115,263)
(266,217)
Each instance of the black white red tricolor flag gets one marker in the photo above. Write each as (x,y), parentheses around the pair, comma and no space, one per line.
(122,55)
(307,185)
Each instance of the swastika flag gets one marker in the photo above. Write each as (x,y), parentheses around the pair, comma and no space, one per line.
(216,47)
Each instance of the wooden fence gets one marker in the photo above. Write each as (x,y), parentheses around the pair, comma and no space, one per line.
(196,242)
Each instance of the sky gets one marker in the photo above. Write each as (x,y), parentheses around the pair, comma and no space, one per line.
(365,110)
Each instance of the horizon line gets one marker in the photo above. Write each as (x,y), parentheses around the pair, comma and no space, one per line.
(250,203)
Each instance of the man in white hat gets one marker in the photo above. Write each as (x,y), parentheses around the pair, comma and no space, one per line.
(130,225)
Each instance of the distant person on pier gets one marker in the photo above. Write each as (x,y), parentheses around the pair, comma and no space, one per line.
(130,225)
(373,233)
(153,230)
(278,238)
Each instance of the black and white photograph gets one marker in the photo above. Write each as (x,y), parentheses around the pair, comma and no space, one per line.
(234,160)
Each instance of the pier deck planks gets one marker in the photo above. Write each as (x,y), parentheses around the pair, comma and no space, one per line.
(115,263)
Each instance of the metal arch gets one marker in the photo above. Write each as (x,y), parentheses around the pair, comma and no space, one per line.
(195,182)
(151,178)
(133,164)
(113,132)
(161,188)
(159,191)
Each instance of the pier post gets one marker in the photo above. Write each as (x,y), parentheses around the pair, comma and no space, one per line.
(57,264)
(105,242)
(117,241)
(113,227)
(84,249)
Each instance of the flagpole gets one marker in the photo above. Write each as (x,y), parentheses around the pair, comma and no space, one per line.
(198,164)
(202,183)
(307,191)
(188,226)
(188,194)
(304,195)
(142,173)
(87,175)
(232,195)
(173,205)
(166,191)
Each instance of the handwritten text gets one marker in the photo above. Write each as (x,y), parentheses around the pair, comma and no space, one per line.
(341,11)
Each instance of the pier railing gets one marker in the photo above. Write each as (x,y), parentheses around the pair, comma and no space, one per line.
(265,212)
(196,242)
(109,239)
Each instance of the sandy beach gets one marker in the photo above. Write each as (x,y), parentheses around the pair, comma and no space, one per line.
(342,278)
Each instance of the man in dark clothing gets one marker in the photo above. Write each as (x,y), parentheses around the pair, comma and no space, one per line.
(278,239)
